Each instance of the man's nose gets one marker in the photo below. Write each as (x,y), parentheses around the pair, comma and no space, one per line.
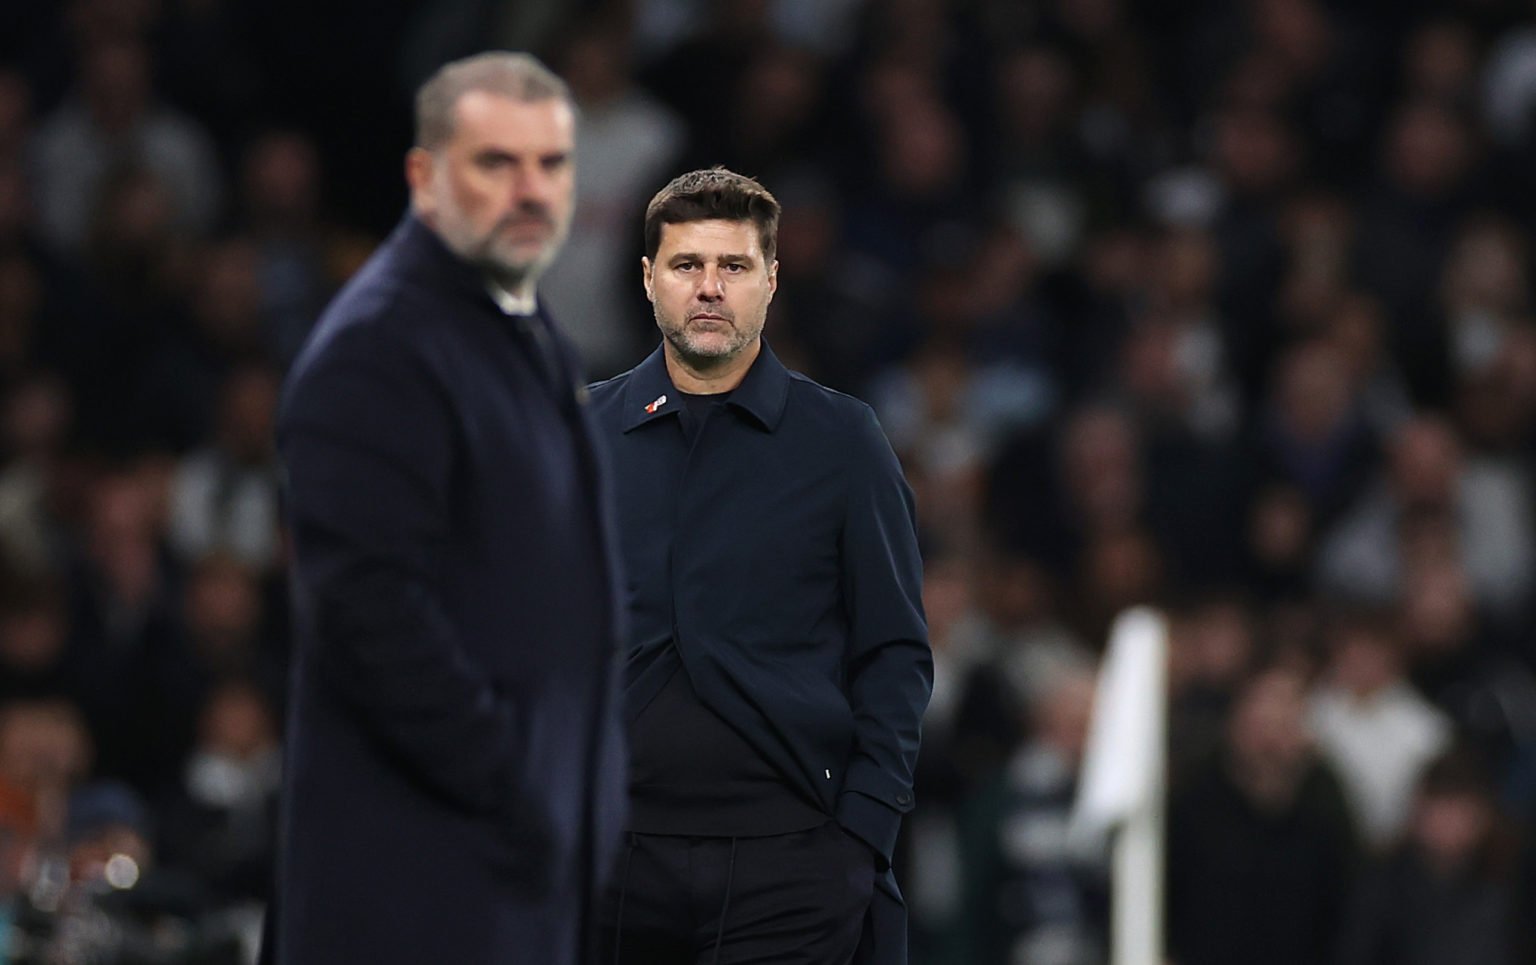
(532,185)
(711,285)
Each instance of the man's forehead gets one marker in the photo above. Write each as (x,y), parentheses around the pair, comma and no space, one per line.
(538,124)
(712,236)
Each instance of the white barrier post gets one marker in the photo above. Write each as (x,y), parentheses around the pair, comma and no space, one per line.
(1123,782)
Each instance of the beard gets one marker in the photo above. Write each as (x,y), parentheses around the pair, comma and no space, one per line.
(514,265)
(703,351)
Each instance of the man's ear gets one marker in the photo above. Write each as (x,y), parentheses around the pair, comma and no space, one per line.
(645,278)
(419,164)
(773,278)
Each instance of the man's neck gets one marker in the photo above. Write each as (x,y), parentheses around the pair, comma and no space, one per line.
(713,380)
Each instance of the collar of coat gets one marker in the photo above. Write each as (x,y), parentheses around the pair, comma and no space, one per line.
(434,258)
(651,395)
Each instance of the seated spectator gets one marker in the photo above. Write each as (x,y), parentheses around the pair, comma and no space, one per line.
(1212,645)
(1015,635)
(1453,658)
(1375,729)
(45,752)
(1260,846)
(1028,897)
(281,207)
(36,420)
(113,119)
(226,633)
(1314,436)
(34,642)
(1427,471)
(929,839)
(1445,896)
(178,391)
(1357,328)
(224,496)
(221,823)
(123,595)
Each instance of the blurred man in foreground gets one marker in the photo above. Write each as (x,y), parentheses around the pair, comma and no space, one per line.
(455,777)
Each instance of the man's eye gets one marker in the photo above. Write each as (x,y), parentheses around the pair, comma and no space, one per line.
(734,268)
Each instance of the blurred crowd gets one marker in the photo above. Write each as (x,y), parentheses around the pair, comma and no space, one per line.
(1224,306)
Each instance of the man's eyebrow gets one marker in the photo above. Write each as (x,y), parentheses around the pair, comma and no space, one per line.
(496,151)
(696,256)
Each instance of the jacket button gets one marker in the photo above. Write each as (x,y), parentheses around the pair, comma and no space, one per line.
(903,798)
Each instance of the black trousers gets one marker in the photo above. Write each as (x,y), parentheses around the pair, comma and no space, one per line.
(789,898)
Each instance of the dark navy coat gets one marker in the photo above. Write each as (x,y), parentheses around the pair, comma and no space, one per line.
(455,777)
(779,552)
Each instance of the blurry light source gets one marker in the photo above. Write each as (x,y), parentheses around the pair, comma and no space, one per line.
(122,872)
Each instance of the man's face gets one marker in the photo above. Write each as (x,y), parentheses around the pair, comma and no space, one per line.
(710,286)
(500,192)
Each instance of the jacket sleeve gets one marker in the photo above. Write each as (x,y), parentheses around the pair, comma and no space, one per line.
(368,447)
(889,665)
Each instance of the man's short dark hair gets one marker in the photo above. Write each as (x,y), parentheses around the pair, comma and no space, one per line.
(713,194)
(519,76)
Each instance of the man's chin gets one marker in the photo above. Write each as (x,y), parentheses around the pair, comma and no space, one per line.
(515,266)
(710,347)
(708,351)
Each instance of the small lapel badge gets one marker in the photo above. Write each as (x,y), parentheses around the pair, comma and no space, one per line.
(661,400)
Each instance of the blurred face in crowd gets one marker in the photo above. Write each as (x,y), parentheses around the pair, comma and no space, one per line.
(1314,394)
(247,407)
(116,83)
(282,178)
(500,190)
(1451,826)
(32,637)
(223,608)
(923,153)
(1424,459)
(1268,726)
(1441,60)
(237,723)
(709,287)
(1428,150)
(1439,615)
(946,597)
(1365,661)
(1102,468)
(43,744)
(1064,712)
(1215,643)
(227,303)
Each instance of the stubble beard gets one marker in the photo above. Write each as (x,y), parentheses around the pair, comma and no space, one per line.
(511,270)
(703,358)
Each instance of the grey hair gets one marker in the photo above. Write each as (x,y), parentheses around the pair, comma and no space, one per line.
(519,76)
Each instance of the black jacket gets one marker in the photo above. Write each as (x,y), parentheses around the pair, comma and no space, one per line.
(779,552)
(455,770)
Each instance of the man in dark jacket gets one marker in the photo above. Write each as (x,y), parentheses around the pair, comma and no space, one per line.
(778,666)
(455,777)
